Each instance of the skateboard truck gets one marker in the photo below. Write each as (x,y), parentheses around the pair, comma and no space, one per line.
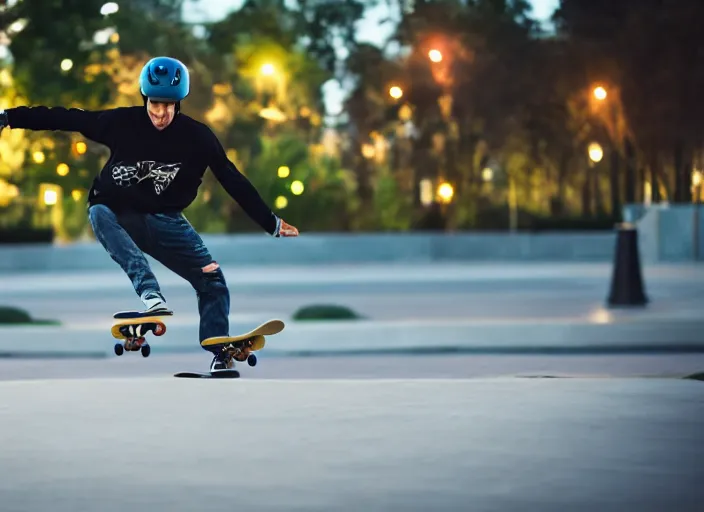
(239,352)
(133,326)
(132,345)
(135,340)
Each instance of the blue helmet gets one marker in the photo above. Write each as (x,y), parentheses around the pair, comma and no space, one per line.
(164,79)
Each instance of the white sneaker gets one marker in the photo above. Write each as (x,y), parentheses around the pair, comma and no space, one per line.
(219,365)
(154,302)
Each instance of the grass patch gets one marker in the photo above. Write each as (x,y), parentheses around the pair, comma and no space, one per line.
(325,312)
(16,316)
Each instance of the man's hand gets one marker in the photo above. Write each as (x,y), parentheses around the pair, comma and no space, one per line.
(287,229)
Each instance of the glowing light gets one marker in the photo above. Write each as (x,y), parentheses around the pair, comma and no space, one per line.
(281,202)
(435,55)
(66,64)
(38,157)
(50,197)
(105,35)
(395,92)
(600,316)
(426,192)
(488,174)
(297,188)
(445,192)
(368,151)
(273,114)
(268,69)
(283,171)
(17,26)
(81,147)
(600,93)
(109,8)
(76,194)
(62,169)
(596,153)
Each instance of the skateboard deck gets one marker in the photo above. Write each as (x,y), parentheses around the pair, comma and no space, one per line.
(225,374)
(236,348)
(132,326)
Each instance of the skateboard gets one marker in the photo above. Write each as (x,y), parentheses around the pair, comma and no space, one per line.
(132,326)
(236,348)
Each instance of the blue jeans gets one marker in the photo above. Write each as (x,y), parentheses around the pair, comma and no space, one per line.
(171,240)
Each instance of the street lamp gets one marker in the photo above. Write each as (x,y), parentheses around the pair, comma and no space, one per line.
(109,8)
(281,202)
(267,69)
(697,177)
(62,169)
(368,151)
(395,92)
(50,197)
(445,192)
(596,152)
(38,157)
(435,55)
(297,188)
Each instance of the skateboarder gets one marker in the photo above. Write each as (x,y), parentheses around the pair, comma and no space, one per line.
(158,156)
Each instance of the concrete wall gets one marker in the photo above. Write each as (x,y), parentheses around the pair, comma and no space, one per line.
(670,233)
(340,248)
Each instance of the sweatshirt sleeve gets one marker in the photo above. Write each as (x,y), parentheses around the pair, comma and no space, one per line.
(239,187)
(94,125)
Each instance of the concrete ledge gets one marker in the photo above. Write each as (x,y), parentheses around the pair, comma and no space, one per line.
(375,337)
(339,248)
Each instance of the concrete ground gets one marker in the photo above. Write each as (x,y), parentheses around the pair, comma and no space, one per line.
(163,444)
(391,367)
(617,432)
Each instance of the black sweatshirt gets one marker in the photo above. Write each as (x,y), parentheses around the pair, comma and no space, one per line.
(150,171)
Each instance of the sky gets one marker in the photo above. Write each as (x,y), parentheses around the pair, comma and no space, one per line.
(370,30)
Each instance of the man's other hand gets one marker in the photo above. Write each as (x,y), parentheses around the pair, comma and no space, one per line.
(287,229)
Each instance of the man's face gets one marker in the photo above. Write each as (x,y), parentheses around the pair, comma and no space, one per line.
(161,113)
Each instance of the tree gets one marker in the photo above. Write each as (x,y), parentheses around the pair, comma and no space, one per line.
(651,55)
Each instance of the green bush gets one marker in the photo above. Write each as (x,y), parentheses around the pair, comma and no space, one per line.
(325,312)
(10,315)
(696,376)
(14,316)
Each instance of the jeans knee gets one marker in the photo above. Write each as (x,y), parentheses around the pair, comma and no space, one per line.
(99,214)
(212,280)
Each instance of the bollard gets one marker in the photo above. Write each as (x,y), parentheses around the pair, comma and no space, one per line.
(627,280)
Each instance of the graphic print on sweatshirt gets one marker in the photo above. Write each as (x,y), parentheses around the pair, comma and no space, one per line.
(161,174)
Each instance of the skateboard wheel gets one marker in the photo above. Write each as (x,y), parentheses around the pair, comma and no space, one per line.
(119,349)
(146,350)
(252,360)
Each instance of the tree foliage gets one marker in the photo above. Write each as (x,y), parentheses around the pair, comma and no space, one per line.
(485,104)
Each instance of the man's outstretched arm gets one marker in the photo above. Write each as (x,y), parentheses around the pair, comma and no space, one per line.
(242,191)
(92,124)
